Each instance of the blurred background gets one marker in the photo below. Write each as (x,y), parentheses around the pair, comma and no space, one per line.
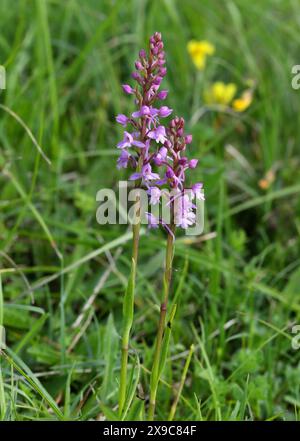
(236,286)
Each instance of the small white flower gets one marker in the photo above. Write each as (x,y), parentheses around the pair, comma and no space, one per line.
(155,194)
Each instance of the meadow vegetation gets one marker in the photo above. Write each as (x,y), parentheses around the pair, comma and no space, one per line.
(236,286)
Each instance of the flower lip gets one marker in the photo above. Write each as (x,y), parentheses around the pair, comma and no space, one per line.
(145,111)
(196,191)
(129,141)
(158,134)
(160,157)
(126,142)
(123,159)
(155,194)
(146,174)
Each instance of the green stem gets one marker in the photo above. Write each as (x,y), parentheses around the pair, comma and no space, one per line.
(2,337)
(182,381)
(128,308)
(128,305)
(155,374)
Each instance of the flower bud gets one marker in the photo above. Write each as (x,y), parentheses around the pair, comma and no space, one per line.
(162,95)
(183,161)
(180,147)
(122,119)
(169,173)
(138,65)
(136,76)
(160,156)
(142,53)
(193,163)
(168,144)
(162,71)
(157,81)
(188,139)
(127,89)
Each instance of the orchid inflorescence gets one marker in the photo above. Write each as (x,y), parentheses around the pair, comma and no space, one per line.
(156,154)
(152,149)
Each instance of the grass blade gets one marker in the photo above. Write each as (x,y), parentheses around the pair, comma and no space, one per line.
(25,371)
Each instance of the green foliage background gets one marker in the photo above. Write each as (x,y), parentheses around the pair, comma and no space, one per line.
(237,286)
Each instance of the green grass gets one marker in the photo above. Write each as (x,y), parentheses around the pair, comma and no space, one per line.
(237,291)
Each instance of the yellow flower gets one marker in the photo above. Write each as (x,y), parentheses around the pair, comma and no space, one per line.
(267,181)
(220,93)
(242,103)
(199,50)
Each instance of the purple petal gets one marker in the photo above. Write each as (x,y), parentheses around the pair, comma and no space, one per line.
(135,176)
(127,89)
(188,139)
(161,181)
(136,114)
(122,145)
(153,222)
(164,111)
(193,163)
(162,95)
(123,159)
(138,144)
(122,119)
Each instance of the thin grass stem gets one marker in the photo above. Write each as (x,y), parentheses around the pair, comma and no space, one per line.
(156,373)
(182,381)
(128,310)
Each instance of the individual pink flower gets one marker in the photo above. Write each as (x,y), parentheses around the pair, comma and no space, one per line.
(197,192)
(145,175)
(123,159)
(122,119)
(129,141)
(164,111)
(155,194)
(158,134)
